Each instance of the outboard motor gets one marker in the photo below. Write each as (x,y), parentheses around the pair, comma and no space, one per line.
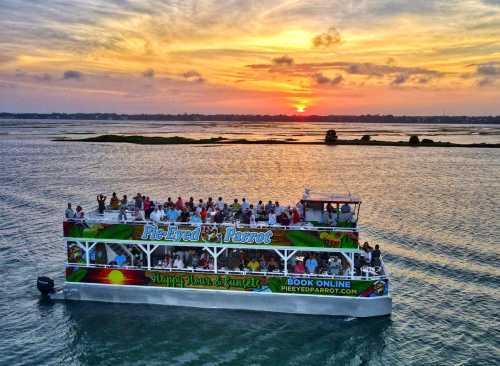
(45,285)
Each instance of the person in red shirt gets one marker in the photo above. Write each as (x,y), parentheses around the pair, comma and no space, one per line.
(203,214)
(299,267)
(295,216)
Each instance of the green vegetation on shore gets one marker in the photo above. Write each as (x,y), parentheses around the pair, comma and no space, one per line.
(330,139)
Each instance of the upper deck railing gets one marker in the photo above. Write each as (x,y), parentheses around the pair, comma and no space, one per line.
(304,234)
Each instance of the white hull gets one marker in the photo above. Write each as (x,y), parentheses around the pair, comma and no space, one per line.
(225,299)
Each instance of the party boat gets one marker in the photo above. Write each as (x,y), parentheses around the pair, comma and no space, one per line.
(133,262)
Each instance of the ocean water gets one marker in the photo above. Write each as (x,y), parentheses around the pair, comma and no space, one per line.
(435,212)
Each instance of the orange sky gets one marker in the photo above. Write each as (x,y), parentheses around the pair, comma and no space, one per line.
(318,56)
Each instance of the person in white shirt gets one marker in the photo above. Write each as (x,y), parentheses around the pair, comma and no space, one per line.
(156,215)
(253,222)
(272,218)
(277,208)
(300,207)
(220,204)
(178,262)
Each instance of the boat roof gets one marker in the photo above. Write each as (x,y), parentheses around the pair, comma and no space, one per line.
(310,196)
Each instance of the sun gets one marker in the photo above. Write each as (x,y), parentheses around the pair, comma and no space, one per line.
(300,108)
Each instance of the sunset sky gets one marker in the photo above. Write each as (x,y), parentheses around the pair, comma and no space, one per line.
(314,57)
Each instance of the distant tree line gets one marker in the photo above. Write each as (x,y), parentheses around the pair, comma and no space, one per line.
(366,118)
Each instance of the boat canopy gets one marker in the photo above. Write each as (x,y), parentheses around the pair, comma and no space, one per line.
(348,198)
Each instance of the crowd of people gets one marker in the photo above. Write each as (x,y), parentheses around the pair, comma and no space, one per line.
(142,207)
(252,261)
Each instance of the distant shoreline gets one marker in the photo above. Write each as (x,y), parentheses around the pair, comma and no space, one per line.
(177,140)
(369,118)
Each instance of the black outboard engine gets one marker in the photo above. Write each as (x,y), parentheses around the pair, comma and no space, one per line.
(45,285)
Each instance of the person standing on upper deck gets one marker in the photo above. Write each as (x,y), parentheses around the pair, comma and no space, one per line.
(244,204)
(101,203)
(179,204)
(114,202)
(269,207)
(139,205)
(69,213)
(272,218)
(220,204)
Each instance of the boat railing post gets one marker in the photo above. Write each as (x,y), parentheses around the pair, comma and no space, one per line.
(87,254)
(148,254)
(352,264)
(285,260)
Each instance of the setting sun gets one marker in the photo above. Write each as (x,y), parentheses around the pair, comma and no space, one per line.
(300,108)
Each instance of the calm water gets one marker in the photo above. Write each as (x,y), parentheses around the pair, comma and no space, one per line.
(434,211)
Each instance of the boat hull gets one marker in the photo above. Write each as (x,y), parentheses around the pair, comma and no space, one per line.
(224,299)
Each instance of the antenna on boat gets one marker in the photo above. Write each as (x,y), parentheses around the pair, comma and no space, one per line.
(346,187)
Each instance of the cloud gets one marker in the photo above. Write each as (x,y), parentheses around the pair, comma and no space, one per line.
(283,61)
(327,39)
(321,79)
(72,74)
(400,79)
(489,69)
(488,73)
(193,76)
(149,73)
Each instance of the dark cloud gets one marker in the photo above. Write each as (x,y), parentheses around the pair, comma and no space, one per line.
(489,69)
(321,79)
(368,69)
(43,77)
(400,79)
(491,2)
(149,73)
(21,74)
(193,76)
(72,74)
(283,61)
(488,73)
(327,39)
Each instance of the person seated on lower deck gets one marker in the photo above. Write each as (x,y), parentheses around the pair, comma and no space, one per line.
(69,213)
(178,262)
(299,267)
(272,265)
(311,264)
(334,266)
(253,265)
(120,260)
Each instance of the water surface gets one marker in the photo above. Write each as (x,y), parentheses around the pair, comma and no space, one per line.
(434,211)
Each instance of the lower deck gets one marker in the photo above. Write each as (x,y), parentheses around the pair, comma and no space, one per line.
(228,299)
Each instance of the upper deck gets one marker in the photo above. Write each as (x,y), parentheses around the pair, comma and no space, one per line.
(322,227)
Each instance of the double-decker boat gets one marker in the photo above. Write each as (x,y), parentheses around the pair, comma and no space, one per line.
(315,266)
